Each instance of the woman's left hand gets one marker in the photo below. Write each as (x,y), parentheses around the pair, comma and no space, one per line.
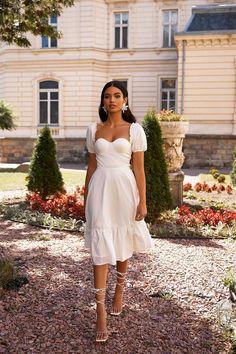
(141,212)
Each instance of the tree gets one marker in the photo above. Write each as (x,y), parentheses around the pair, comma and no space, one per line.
(233,172)
(158,190)
(44,175)
(6,116)
(17,17)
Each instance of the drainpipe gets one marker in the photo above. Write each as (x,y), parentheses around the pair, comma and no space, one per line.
(183,76)
(234,114)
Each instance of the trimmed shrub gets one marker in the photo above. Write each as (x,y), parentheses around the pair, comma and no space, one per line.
(213,171)
(158,189)
(221,179)
(233,172)
(216,175)
(9,279)
(44,176)
(6,272)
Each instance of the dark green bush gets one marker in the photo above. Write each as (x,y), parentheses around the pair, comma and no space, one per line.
(6,272)
(44,174)
(158,190)
(216,175)
(233,171)
(9,279)
(221,179)
(213,171)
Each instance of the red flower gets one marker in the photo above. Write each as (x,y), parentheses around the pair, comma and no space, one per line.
(198,187)
(220,188)
(187,187)
(59,205)
(206,216)
(229,189)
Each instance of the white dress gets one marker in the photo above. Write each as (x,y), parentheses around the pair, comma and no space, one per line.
(111,232)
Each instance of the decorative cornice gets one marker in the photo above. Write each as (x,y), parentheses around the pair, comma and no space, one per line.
(63,51)
(119,1)
(206,40)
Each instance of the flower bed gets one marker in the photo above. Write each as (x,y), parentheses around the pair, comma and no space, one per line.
(199,217)
(63,212)
(206,216)
(60,204)
(189,223)
(205,187)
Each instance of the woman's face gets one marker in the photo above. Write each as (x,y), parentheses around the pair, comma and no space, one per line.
(113,99)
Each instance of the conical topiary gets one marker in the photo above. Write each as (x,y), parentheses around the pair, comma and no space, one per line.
(233,172)
(44,174)
(158,190)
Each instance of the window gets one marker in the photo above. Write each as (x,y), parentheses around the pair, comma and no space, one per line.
(48,42)
(170,21)
(121,30)
(48,102)
(168,94)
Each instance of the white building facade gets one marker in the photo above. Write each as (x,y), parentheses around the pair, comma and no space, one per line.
(59,82)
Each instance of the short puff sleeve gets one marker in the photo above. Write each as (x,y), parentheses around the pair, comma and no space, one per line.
(138,138)
(90,137)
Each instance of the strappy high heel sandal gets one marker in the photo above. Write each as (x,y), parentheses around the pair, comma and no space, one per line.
(101,336)
(121,283)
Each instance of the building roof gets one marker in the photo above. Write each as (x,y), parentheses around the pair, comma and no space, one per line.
(212,18)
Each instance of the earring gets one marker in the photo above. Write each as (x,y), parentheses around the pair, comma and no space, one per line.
(124,108)
(105,110)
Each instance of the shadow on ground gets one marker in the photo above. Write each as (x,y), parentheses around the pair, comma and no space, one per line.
(195,242)
(55,312)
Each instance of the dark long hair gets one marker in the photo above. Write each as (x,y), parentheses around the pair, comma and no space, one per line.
(127,115)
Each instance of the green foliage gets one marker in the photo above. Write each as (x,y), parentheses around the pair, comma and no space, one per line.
(20,213)
(6,116)
(158,190)
(216,175)
(6,272)
(44,174)
(213,171)
(167,115)
(19,17)
(233,171)
(221,179)
(230,280)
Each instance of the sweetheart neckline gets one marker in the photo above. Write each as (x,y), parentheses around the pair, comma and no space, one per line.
(113,140)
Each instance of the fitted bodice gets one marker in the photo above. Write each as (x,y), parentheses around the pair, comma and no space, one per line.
(115,153)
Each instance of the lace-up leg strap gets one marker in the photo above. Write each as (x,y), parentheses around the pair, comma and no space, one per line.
(120,279)
(99,292)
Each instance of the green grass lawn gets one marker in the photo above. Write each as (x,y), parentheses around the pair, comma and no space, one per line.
(208,178)
(16,180)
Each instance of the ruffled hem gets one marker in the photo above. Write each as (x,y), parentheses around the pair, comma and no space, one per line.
(111,244)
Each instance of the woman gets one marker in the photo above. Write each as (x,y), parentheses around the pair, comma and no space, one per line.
(115,197)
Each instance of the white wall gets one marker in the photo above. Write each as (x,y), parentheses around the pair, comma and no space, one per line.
(86,59)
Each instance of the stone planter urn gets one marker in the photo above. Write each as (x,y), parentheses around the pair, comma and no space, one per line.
(173,133)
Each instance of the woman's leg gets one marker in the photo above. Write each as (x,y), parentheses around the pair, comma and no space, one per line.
(100,284)
(121,268)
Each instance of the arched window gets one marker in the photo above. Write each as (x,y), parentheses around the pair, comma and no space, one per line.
(49,102)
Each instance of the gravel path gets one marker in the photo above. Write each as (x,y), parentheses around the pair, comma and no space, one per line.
(55,312)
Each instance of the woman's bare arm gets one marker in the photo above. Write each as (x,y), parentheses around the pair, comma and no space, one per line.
(139,173)
(92,165)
